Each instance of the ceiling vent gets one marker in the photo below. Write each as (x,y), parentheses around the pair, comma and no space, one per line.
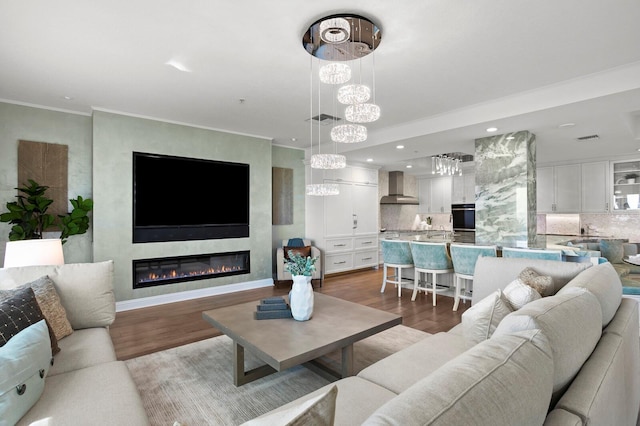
(588,138)
(325,119)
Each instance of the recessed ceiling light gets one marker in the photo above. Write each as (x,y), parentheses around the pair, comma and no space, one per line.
(177,65)
(492,129)
(68,98)
(638,150)
(293,139)
(566,125)
(369,160)
(399,146)
(409,166)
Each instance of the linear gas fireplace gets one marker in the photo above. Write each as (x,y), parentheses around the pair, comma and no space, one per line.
(168,270)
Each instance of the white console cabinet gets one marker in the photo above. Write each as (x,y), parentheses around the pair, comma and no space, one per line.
(345,226)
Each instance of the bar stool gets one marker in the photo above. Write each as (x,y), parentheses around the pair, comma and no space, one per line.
(430,258)
(464,259)
(532,253)
(396,254)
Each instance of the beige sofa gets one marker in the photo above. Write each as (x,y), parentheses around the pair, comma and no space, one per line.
(572,358)
(86,385)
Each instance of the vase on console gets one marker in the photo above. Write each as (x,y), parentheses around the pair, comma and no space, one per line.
(301,298)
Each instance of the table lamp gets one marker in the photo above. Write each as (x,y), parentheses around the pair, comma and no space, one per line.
(33,252)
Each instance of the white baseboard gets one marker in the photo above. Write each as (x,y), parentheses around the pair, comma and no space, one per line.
(145,302)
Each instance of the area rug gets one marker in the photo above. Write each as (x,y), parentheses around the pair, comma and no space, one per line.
(193,384)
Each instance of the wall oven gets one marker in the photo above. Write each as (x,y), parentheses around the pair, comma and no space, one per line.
(464,217)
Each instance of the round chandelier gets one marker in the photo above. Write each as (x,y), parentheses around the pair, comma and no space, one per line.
(328,161)
(353,94)
(362,113)
(335,73)
(349,133)
(323,189)
(335,30)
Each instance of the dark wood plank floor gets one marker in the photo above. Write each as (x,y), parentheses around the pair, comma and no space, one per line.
(142,331)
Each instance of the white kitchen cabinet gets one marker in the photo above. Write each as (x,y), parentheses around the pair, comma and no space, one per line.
(464,188)
(424,195)
(625,176)
(595,177)
(345,226)
(441,195)
(558,189)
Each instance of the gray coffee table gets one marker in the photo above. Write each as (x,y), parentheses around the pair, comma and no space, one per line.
(284,343)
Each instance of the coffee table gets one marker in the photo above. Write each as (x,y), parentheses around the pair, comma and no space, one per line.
(284,343)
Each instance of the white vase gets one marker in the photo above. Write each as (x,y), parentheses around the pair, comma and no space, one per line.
(301,298)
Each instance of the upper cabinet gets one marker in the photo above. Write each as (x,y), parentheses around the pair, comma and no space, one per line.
(464,188)
(625,177)
(595,177)
(435,194)
(558,189)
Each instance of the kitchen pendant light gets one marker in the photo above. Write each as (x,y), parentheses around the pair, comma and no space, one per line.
(349,133)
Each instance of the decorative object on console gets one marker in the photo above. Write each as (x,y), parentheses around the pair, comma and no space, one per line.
(301,295)
(272,308)
(30,219)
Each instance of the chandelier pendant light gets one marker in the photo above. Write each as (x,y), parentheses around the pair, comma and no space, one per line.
(335,30)
(328,161)
(323,189)
(446,165)
(362,113)
(354,94)
(335,73)
(349,133)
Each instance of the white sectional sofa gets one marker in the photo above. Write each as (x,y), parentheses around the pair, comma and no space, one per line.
(86,385)
(571,358)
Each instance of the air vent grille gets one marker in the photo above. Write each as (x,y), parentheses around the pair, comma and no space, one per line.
(324,119)
(588,138)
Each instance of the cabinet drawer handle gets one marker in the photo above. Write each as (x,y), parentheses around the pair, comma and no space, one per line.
(339,263)
(366,258)
(367,242)
(339,245)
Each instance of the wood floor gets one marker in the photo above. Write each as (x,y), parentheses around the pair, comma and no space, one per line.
(142,331)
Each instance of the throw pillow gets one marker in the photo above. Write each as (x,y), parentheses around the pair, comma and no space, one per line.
(49,303)
(481,319)
(543,284)
(25,362)
(519,294)
(19,312)
(317,411)
(302,251)
(612,250)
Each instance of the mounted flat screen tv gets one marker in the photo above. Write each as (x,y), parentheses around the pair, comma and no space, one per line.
(182,199)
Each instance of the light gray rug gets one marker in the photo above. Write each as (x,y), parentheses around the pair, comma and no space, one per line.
(193,384)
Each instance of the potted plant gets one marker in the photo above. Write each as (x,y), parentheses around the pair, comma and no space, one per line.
(301,295)
(30,219)
(631,177)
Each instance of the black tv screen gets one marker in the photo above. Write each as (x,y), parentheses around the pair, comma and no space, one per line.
(180,199)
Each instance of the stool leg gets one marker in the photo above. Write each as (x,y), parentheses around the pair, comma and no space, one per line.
(384,278)
(434,288)
(416,280)
(399,280)
(457,299)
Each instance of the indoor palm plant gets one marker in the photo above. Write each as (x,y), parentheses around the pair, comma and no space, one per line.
(301,294)
(29,217)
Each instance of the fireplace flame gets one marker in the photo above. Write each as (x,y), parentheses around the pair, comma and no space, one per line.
(174,274)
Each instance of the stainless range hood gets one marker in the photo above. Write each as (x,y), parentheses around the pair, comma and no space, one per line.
(396,189)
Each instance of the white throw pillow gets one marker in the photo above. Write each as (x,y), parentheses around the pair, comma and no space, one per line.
(519,294)
(480,320)
(25,361)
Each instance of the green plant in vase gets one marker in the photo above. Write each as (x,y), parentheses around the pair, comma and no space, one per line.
(297,264)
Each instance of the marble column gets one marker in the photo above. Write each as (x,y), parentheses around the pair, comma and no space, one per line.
(506,190)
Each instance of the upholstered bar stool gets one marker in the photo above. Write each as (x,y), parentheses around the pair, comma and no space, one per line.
(532,253)
(396,254)
(464,259)
(433,259)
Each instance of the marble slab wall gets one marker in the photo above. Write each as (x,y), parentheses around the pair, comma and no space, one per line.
(506,190)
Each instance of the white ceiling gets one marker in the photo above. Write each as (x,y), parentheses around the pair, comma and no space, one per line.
(445,70)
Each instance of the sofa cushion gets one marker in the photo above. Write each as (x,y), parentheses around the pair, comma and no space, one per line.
(612,250)
(85,289)
(483,386)
(104,394)
(480,320)
(435,350)
(572,322)
(49,303)
(519,294)
(25,361)
(603,281)
(84,348)
(543,284)
(560,417)
(596,394)
(319,410)
(18,311)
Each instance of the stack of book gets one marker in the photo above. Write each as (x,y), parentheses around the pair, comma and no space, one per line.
(272,308)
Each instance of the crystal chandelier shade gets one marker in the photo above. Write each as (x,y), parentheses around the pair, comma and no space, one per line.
(445,165)
(335,30)
(335,73)
(354,94)
(322,189)
(328,161)
(362,113)
(349,133)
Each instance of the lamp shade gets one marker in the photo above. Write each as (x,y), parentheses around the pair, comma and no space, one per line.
(33,252)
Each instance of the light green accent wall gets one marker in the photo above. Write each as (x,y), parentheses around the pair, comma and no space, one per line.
(289,158)
(115,137)
(19,122)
